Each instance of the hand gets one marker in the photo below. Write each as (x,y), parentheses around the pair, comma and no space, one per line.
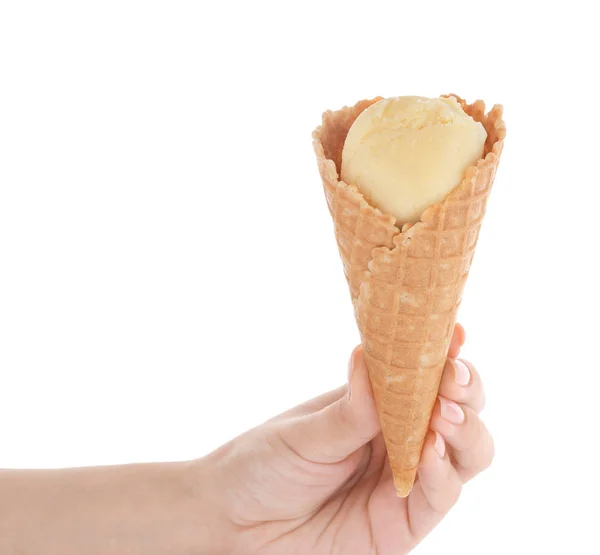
(316,478)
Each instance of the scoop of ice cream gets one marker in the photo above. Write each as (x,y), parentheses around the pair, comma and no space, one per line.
(406,153)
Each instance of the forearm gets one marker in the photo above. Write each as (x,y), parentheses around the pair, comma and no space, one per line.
(143,509)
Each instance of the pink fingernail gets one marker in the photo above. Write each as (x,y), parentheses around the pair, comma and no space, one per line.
(451,411)
(351,371)
(439,445)
(462,376)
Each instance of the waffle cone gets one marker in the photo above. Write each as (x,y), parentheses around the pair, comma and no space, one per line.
(406,284)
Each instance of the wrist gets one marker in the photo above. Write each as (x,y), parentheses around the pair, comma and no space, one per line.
(214,532)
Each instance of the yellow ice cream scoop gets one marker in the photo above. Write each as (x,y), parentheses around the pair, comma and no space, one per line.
(406,153)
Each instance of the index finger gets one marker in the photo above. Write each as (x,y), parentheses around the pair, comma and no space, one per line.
(458,340)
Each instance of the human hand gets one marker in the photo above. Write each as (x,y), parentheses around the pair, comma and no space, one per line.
(316,479)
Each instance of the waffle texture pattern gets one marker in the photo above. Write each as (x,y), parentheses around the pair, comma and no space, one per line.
(406,284)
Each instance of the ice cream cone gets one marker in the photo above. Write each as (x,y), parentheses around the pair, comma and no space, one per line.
(406,284)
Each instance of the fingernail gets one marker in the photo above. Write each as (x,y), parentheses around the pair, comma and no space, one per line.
(439,445)
(451,411)
(351,371)
(351,366)
(462,376)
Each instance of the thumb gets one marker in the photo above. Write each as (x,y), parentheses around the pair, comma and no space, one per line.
(337,430)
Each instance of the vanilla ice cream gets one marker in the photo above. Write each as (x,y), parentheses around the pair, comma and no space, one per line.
(406,153)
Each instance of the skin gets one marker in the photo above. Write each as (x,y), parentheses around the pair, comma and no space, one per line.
(312,480)
(316,480)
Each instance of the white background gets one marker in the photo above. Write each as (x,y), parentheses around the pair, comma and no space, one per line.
(168,271)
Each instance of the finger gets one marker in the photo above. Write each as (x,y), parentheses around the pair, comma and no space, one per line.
(437,488)
(470,443)
(461,383)
(314,405)
(337,430)
(458,340)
